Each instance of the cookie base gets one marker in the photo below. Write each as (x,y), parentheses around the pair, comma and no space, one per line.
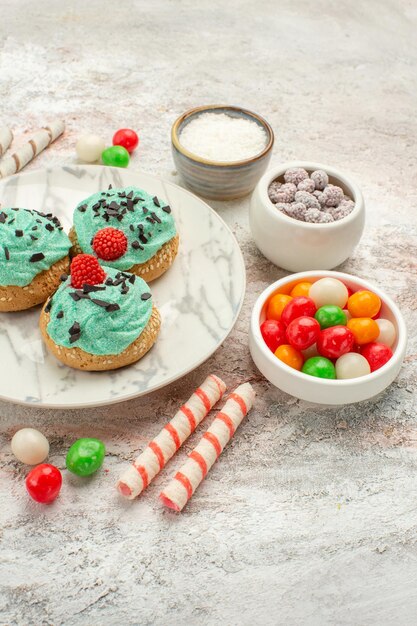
(14,298)
(81,360)
(149,271)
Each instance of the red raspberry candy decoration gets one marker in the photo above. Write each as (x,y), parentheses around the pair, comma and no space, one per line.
(85,269)
(109,244)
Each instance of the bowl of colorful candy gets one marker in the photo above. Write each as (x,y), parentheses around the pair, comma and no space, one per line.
(327,337)
(306,215)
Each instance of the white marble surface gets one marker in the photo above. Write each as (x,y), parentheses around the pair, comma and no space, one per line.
(310,515)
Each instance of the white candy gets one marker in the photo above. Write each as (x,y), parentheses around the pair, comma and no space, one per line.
(387,332)
(352,365)
(89,148)
(30,446)
(328,291)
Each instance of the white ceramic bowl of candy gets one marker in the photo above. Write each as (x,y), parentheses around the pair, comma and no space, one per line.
(327,337)
(306,215)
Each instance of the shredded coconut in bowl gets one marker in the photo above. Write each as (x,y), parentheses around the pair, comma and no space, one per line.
(221,137)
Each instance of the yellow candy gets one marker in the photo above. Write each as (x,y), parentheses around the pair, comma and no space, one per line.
(276,305)
(300,289)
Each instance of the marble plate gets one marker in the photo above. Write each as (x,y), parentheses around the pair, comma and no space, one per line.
(199,298)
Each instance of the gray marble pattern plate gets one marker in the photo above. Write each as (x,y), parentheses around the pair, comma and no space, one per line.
(199,298)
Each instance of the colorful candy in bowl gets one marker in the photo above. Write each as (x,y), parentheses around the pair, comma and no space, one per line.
(327,337)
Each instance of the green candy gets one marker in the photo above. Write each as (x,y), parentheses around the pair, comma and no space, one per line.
(85,456)
(330,315)
(320,367)
(117,156)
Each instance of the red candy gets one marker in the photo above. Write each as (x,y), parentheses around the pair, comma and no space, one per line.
(43,483)
(127,138)
(273,333)
(377,354)
(85,269)
(303,332)
(109,243)
(299,306)
(335,341)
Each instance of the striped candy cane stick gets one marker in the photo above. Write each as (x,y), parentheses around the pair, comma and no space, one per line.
(6,137)
(186,480)
(172,436)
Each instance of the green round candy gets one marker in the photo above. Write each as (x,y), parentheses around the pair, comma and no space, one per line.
(117,156)
(319,366)
(85,456)
(330,315)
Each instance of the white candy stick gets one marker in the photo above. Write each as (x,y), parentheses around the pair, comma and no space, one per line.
(177,493)
(38,142)
(6,137)
(158,452)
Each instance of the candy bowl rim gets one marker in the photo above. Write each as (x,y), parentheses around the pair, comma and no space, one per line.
(366,386)
(275,172)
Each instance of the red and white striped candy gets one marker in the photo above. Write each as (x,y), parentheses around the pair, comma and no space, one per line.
(158,452)
(186,480)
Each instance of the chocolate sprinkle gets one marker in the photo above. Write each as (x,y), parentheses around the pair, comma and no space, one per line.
(63,277)
(156,201)
(18,233)
(38,256)
(89,288)
(102,303)
(2,217)
(60,315)
(109,281)
(156,218)
(75,338)
(167,209)
(112,307)
(48,305)
(6,253)
(136,245)
(146,295)
(75,329)
(34,238)
(82,208)
(132,279)
(74,295)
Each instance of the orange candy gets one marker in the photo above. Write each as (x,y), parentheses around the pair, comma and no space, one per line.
(364,304)
(276,305)
(290,356)
(300,289)
(364,329)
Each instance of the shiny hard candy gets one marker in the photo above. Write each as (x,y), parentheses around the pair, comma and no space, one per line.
(320,367)
(387,332)
(330,315)
(364,304)
(115,156)
(303,332)
(329,291)
(352,365)
(85,456)
(30,446)
(335,341)
(127,138)
(290,356)
(43,483)
(377,354)
(364,329)
(273,333)
(89,148)
(298,307)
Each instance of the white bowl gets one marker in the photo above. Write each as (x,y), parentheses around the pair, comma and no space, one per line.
(325,391)
(295,245)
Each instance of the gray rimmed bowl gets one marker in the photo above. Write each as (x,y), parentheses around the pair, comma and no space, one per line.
(216,179)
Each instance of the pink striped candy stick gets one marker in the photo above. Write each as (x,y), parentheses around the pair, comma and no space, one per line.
(148,464)
(186,480)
